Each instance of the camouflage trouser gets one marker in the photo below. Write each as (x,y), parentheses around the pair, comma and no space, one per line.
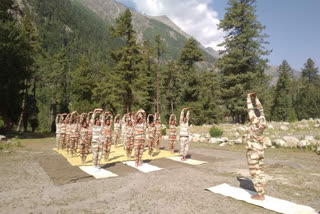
(57,140)
(67,140)
(255,163)
(138,149)
(96,148)
(83,147)
(129,145)
(62,140)
(71,145)
(76,146)
(116,138)
(124,138)
(158,140)
(89,140)
(184,145)
(107,146)
(172,141)
(150,145)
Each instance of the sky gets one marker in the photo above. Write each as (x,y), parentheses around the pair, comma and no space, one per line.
(293,26)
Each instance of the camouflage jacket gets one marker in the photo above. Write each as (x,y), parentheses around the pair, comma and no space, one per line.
(140,131)
(256,127)
(151,132)
(84,133)
(172,130)
(63,128)
(107,131)
(129,131)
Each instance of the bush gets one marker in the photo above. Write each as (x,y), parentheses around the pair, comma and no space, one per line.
(215,131)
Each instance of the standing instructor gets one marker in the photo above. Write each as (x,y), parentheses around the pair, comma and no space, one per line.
(254,145)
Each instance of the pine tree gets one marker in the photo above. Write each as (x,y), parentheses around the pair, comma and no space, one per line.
(170,88)
(282,105)
(82,84)
(242,63)
(159,50)
(107,94)
(190,82)
(210,98)
(308,93)
(127,57)
(12,63)
(309,72)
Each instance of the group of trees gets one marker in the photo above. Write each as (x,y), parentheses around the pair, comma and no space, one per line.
(296,98)
(60,57)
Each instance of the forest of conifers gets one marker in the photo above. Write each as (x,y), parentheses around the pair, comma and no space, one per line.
(58,56)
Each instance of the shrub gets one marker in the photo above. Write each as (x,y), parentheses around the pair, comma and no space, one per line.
(215,131)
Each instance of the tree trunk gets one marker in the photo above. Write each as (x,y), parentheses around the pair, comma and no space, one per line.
(24,102)
(53,111)
(171,106)
(158,86)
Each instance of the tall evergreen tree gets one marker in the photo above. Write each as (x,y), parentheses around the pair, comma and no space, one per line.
(308,94)
(32,48)
(159,50)
(210,98)
(107,94)
(310,72)
(82,85)
(190,82)
(127,57)
(282,105)
(242,63)
(170,87)
(12,63)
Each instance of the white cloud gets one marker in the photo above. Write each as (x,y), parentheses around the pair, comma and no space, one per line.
(192,16)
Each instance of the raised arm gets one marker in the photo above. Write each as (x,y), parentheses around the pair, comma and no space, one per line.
(188,115)
(57,118)
(252,115)
(102,119)
(93,118)
(182,115)
(259,106)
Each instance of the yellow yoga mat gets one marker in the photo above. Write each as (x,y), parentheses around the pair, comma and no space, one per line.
(116,155)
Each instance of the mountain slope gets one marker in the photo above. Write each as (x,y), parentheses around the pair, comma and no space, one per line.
(147,27)
(273,72)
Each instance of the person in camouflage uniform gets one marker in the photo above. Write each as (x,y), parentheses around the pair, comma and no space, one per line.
(117,130)
(184,134)
(107,136)
(129,138)
(139,136)
(254,145)
(151,134)
(68,132)
(89,128)
(78,126)
(172,131)
(97,137)
(158,131)
(84,140)
(58,129)
(62,138)
(74,132)
(124,123)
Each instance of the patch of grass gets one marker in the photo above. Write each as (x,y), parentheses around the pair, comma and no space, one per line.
(10,145)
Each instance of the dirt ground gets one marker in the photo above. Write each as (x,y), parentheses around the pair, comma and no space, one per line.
(35,179)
